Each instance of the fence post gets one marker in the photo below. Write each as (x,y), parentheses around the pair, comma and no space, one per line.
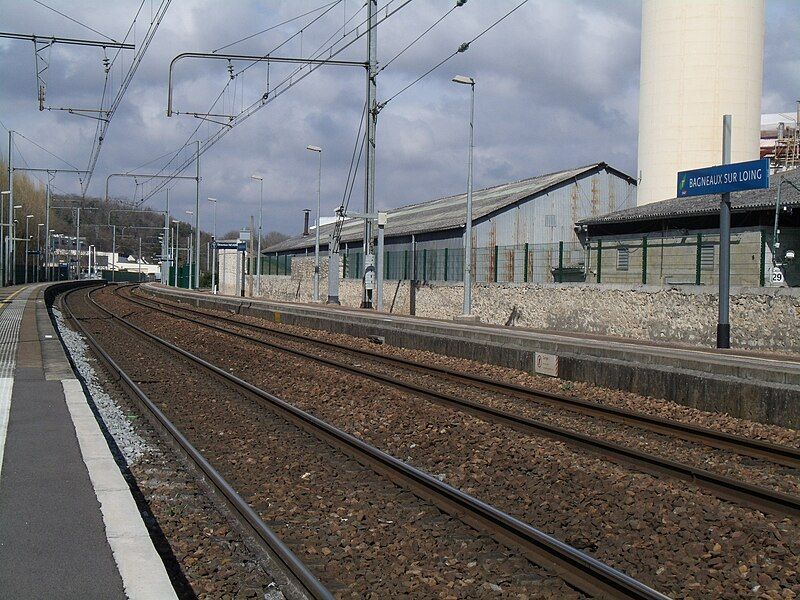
(424,264)
(496,263)
(405,264)
(762,276)
(698,259)
(599,258)
(445,264)
(561,262)
(644,260)
(525,274)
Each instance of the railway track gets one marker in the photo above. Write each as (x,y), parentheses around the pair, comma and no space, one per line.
(756,496)
(776,453)
(299,575)
(577,568)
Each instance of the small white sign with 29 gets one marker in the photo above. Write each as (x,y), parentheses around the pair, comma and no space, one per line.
(777,275)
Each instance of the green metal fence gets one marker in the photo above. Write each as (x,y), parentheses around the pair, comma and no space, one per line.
(540,263)
(691,259)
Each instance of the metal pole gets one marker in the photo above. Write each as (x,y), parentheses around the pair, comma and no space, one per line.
(78,245)
(260,234)
(468,225)
(140,258)
(189,256)
(38,251)
(47,230)
(113,253)
(316,232)
(9,243)
(27,239)
(369,160)
(165,245)
(214,249)
(197,224)
(775,243)
(379,268)
(723,324)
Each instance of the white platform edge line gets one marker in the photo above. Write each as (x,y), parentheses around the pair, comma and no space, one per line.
(6,386)
(143,573)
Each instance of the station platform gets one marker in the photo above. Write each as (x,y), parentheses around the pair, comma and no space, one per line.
(69,526)
(751,385)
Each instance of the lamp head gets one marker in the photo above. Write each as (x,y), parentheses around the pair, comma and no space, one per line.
(464,79)
(314,148)
(257,177)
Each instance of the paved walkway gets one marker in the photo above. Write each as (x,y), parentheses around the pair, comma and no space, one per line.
(69,527)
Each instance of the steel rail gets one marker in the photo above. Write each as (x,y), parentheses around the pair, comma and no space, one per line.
(577,568)
(755,496)
(301,576)
(784,455)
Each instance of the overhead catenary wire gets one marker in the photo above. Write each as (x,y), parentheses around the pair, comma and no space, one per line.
(462,48)
(191,137)
(421,35)
(66,16)
(53,154)
(137,59)
(282,23)
(261,103)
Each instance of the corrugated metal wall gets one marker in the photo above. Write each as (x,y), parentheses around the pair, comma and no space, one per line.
(546,219)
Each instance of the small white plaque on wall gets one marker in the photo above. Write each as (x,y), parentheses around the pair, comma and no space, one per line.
(545,364)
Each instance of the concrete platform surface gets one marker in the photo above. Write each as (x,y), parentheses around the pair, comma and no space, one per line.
(69,527)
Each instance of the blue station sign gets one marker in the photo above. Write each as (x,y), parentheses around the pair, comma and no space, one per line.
(750,175)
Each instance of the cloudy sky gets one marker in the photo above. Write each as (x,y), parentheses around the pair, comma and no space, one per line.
(557,87)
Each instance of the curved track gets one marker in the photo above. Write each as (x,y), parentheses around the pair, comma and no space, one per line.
(579,569)
(760,497)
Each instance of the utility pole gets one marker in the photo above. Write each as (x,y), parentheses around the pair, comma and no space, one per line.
(723,324)
(197,224)
(165,245)
(78,245)
(47,226)
(113,253)
(9,243)
(369,162)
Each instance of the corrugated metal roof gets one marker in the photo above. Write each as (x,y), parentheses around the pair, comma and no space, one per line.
(707,205)
(448,212)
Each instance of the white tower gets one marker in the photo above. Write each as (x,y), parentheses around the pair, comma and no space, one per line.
(700,60)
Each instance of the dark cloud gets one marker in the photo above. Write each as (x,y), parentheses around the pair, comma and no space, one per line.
(557,87)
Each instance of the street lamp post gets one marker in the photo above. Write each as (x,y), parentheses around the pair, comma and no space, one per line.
(318,150)
(4,247)
(189,245)
(214,248)
(468,225)
(38,250)
(27,239)
(260,227)
(13,229)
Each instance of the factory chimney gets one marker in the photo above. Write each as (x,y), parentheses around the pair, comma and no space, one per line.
(306,212)
(700,60)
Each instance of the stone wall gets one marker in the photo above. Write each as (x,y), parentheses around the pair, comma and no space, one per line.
(299,287)
(761,318)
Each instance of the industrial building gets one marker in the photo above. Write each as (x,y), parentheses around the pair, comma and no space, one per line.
(522,230)
(676,242)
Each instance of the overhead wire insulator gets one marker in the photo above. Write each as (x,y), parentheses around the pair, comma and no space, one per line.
(230,69)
